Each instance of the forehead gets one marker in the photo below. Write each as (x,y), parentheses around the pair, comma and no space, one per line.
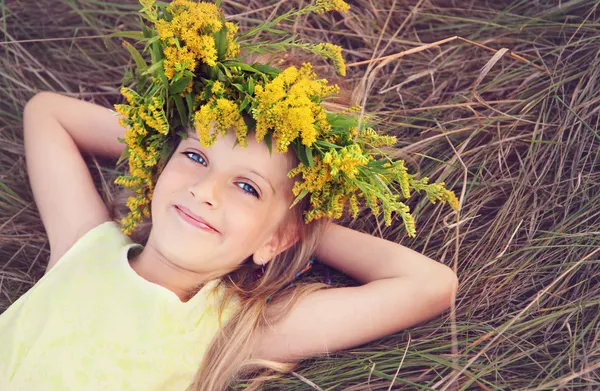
(255,156)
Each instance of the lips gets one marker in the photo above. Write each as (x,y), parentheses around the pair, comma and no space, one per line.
(194,219)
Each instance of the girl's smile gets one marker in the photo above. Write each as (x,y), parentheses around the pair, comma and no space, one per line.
(195,220)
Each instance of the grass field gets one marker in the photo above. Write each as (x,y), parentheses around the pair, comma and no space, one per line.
(507,115)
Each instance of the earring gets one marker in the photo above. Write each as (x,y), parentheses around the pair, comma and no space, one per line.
(262,261)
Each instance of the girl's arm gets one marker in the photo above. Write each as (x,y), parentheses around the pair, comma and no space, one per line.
(58,131)
(401,288)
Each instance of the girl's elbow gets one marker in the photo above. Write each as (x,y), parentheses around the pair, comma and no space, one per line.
(448,285)
(443,288)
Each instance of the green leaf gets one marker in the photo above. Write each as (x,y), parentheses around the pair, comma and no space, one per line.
(301,153)
(190,103)
(147,31)
(342,121)
(269,142)
(309,156)
(150,41)
(163,78)
(328,144)
(221,42)
(124,155)
(226,70)
(276,31)
(251,86)
(155,52)
(137,57)
(139,35)
(181,110)
(150,70)
(180,85)
(239,87)
(302,194)
(220,76)
(244,103)
(242,65)
(182,134)
(266,69)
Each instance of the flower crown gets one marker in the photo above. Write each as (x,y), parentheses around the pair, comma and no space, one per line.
(197,77)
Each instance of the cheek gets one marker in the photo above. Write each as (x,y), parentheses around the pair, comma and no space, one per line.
(171,180)
(251,226)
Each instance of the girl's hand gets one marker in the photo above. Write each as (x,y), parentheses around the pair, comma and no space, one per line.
(58,130)
(401,288)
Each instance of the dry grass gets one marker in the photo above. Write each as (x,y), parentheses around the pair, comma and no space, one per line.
(518,140)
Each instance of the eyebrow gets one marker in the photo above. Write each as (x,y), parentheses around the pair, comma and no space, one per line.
(265,179)
(194,136)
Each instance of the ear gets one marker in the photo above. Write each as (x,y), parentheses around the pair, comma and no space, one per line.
(280,241)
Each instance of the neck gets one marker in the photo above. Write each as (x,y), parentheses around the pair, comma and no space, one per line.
(151,265)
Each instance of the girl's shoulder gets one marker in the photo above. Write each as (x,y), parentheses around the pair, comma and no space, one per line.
(103,241)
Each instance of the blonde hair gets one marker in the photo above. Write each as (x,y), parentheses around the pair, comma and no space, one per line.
(262,301)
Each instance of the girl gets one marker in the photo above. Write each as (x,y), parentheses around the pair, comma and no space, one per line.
(183,308)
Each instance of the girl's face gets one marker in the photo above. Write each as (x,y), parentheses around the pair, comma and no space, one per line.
(242,196)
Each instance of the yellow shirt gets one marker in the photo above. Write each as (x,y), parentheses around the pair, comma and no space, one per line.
(92,323)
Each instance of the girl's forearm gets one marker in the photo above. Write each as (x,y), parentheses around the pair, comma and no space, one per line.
(94,128)
(368,258)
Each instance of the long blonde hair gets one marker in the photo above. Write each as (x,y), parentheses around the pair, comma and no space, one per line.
(229,357)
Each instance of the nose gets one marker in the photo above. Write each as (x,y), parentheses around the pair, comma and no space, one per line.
(207,190)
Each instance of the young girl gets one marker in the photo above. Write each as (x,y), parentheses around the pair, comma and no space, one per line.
(185,307)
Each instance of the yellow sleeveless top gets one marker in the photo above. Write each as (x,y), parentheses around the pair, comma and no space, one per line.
(92,323)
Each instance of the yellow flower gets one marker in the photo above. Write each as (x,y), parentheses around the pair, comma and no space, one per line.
(149,9)
(136,202)
(154,118)
(399,173)
(233,48)
(371,137)
(334,53)
(193,25)
(176,59)
(124,110)
(217,88)
(290,106)
(124,122)
(354,205)
(127,181)
(133,98)
(313,178)
(331,5)
(217,117)
(347,160)
(451,198)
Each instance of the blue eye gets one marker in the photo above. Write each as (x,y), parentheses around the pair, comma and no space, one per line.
(199,158)
(248,189)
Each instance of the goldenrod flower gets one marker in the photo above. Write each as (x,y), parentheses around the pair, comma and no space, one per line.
(347,160)
(331,5)
(334,53)
(371,137)
(192,25)
(133,98)
(149,9)
(217,88)
(178,59)
(217,117)
(233,48)
(289,105)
